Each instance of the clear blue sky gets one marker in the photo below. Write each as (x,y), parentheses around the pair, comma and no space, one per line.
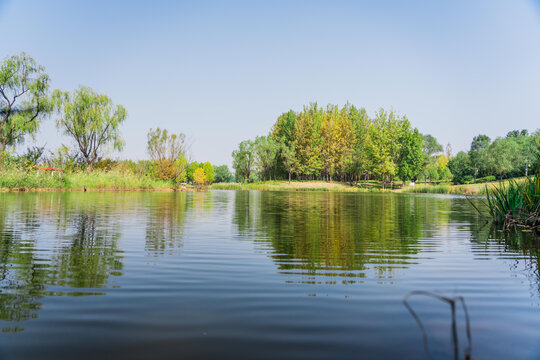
(222,71)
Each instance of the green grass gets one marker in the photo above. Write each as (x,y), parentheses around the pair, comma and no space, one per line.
(468,189)
(284,185)
(99,180)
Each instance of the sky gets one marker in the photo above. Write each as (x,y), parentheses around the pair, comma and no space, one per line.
(222,72)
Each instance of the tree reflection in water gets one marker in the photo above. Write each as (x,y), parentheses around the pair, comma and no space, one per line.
(322,235)
(86,256)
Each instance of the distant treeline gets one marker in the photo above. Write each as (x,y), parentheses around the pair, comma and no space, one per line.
(511,156)
(346,144)
(334,143)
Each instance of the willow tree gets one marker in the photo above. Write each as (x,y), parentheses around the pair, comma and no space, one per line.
(91,120)
(164,146)
(23,98)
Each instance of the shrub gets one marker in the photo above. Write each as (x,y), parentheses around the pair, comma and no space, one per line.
(485,179)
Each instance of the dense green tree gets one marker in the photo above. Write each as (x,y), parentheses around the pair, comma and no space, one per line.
(384,147)
(478,150)
(503,153)
(91,120)
(24,102)
(431,146)
(223,174)
(460,167)
(346,144)
(338,134)
(267,155)
(517,133)
(308,142)
(190,170)
(357,162)
(208,172)
(244,160)
(411,157)
(288,156)
(283,129)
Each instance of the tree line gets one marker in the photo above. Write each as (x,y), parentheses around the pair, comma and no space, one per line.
(92,121)
(516,154)
(334,143)
(345,144)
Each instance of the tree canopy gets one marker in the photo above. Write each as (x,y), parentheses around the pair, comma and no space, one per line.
(334,143)
(91,119)
(164,146)
(24,102)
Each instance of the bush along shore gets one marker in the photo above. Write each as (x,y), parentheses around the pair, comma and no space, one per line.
(516,204)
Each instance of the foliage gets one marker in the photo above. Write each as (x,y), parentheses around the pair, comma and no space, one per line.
(267,153)
(460,167)
(486,179)
(35,154)
(199,177)
(516,204)
(23,98)
(168,154)
(91,120)
(169,170)
(244,160)
(431,146)
(411,157)
(288,158)
(191,170)
(164,146)
(223,174)
(209,172)
(64,158)
(308,142)
(334,143)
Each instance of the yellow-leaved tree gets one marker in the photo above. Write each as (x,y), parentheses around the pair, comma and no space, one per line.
(199,177)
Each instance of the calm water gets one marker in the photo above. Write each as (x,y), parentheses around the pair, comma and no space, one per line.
(259,275)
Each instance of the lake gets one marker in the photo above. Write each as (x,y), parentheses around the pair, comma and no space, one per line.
(261,275)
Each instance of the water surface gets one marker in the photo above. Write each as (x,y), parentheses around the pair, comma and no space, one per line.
(259,275)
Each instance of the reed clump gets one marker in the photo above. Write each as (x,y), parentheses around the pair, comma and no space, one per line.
(516,204)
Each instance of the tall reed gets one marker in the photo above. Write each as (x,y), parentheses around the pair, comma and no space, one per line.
(516,204)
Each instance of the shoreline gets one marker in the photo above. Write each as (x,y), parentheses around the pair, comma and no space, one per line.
(23,189)
(372,187)
(284,185)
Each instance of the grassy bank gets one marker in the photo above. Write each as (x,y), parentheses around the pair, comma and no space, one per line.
(283,185)
(117,180)
(286,186)
(469,189)
(97,180)
(472,189)
(368,186)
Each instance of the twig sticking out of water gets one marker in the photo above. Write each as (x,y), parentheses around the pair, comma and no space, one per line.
(452,302)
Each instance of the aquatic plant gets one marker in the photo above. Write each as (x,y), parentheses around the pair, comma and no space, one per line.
(515,204)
